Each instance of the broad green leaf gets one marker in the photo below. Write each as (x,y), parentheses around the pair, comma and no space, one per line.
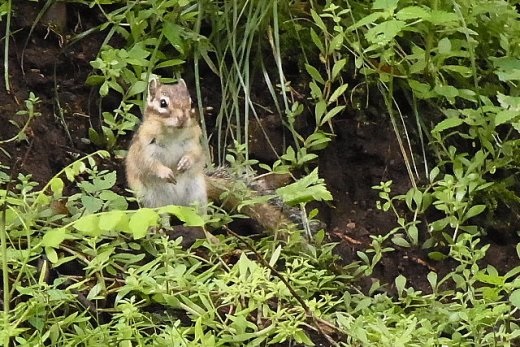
(509,102)
(316,92)
(137,55)
(91,204)
(141,220)
(385,4)
(507,68)
(172,33)
(464,71)
(336,43)
(514,298)
(54,237)
(439,17)
(186,214)
(447,124)
(385,32)
(52,255)
(136,88)
(370,19)
(306,189)
(474,211)
(399,241)
(506,116)
(113,220)
(444,46)
(422,90)
(57,187)
(413,12)
(400,283)
(449,92)
(88,225)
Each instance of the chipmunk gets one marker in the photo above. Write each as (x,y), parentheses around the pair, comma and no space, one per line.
(165,161)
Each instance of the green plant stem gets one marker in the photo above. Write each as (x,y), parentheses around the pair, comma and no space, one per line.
(388,97)
(5,268)
(6,47)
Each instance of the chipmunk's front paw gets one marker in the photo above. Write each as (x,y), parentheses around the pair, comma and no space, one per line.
(166,174)
(185,163)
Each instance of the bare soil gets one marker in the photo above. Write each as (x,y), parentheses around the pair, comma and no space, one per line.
(363,153)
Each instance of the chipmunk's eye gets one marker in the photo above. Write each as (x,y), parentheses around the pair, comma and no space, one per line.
(163,103)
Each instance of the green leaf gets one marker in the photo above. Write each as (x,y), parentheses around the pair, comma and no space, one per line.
(319,110)
(338,67)
(337,93)
(437,256)
(54,237)
(318,21)
(275,256)
(506,116)
(317,41)
(385,4)
(400,283)
(170,63)
(88,225)
(186,214)
(422,90)
(57,187)
(399,241)
(314,73)
(439,17)
(474,211)
(113,220)
(464,71)
(331,114)
(370,19)
(447,124)
(336,43)
(91,204)
(141,220)
(172,33)
(306,189)
(514,298)
(413,12)
(136,88)
(432,278)
(385,32)
(449,92)
(444,46)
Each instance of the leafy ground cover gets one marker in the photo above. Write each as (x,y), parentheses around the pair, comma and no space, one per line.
(406,112)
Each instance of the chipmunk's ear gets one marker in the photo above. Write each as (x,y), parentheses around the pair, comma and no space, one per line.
(153,85)
(182,83)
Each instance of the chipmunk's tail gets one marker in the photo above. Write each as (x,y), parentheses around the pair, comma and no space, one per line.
(232,192)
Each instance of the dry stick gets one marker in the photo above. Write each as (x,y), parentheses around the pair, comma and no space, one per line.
(298,298)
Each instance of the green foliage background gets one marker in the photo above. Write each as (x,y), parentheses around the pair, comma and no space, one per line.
(447,72)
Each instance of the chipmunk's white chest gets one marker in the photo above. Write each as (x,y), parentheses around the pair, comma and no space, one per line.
(170,147)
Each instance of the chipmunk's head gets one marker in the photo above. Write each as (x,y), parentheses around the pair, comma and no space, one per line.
(169,103)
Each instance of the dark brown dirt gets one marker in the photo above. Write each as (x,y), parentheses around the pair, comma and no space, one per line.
(363,153)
